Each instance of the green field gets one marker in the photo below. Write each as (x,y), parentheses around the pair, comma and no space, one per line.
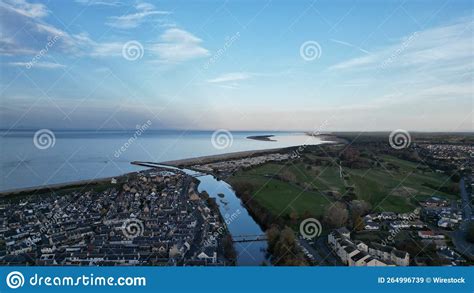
(280,197)
(394,185)
(398,190)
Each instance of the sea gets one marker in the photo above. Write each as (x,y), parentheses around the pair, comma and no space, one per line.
(30,158)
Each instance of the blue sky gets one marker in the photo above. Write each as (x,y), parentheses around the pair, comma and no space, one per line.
(238,65)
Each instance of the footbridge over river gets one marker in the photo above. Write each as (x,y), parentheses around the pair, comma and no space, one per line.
(249,238)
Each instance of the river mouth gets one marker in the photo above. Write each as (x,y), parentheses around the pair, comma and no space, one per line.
(240,223)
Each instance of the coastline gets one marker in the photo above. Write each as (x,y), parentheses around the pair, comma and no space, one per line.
(41,189)
(62,186)
(180,163)
(218,158)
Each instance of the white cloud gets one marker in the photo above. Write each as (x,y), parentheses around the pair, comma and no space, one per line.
(36,34)
(442,46)
(99,3)
(9,47)
(32,10)
(431,66)
(231,77)
(178,45)
(46,65)
(144,11)
(109,49)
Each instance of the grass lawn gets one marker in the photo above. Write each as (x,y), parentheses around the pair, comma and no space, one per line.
(281,198)
(321,177)
(385,188)
(397,190)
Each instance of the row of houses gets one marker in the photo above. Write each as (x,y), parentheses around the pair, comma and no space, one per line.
(442,213)
(357,253)
(392,221)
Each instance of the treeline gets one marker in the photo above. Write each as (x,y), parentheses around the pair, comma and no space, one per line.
(282,244)
(262,215)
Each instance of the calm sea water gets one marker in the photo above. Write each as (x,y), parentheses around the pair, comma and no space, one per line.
(79,155)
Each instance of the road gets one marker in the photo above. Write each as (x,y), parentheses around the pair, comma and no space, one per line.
(322,254)
(459,236)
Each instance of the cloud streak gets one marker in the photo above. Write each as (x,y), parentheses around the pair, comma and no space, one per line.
(178,45)
(440,46)
(144,12)
(350,45)
(230,77)
(46,65)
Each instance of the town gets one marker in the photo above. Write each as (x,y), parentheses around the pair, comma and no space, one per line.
(374,206)
(153,217)
(378,206)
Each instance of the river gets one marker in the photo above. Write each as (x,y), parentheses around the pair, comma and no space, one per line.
(239,221)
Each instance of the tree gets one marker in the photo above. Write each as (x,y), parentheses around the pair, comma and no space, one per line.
(293,217)
(350,154)
(229,251)
(358,224)
(272,236)
(336,215)
(282,245)
(359,208)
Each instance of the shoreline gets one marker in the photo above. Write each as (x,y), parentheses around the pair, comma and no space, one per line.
(180,163)
(60,186)
(41,189)
(220,157)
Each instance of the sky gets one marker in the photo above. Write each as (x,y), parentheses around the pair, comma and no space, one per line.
(237,65)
